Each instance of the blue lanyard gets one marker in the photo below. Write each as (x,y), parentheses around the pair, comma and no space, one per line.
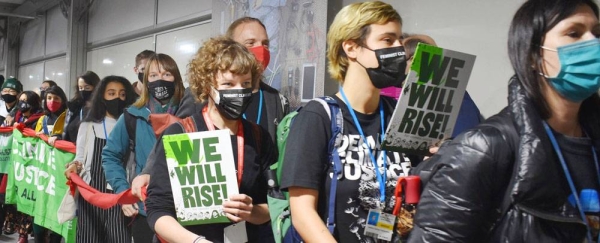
(260,105)
(570,180)
(104,125)
(381,178)
(45,125)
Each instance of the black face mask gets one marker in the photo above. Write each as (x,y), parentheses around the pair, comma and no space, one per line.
(23,106)
(115,107)
(232,103)
(161,89)
(141,77)
(392,65)
(8,98)
(85,94)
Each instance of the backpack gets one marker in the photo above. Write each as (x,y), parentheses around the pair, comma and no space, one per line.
(279,205)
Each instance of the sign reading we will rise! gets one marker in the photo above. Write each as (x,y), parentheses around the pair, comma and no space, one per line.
(202,173)
(430,100)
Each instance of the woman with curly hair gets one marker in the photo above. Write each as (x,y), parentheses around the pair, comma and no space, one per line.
(223,73)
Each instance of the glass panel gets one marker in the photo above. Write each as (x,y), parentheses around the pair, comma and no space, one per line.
(118,59)
(173,9)
(31,76)
(110,18)
(32,41)
(56,70)
(182,44)
(56,38)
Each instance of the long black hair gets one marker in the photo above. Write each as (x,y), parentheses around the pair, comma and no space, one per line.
(527,30)
(55,90)
(33,99)
(98,108)
(90,78)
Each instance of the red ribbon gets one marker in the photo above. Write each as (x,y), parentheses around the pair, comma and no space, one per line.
(99,199)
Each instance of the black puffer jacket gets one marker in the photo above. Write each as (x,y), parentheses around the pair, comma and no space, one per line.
(501,182)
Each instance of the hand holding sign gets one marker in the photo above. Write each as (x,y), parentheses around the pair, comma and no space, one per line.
(238,208)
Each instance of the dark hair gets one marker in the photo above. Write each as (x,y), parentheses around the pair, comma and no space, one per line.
(33,99)
(527,30)
(55,90)
(145,54)
(88,77)
(98,107)
(240,21)
(50,82)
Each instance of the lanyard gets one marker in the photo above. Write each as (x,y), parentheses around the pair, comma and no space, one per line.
(260,105)
(570,180)
(104,125)
(45,125)
(380,177)
(81,117)
(240,142)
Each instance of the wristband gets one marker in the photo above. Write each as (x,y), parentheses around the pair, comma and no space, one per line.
(199,239)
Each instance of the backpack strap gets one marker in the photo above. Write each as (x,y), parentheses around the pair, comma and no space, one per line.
(130,126)
(188,124)
(337,121)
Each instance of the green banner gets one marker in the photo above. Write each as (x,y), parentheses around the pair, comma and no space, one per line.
(5,146)
(37,184)
(202,175)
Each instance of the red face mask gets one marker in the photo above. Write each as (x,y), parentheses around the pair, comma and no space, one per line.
(262,55)
(53,106)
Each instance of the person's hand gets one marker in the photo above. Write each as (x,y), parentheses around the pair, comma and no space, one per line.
(71,168)
(39,133)
(433,149)
(238,208)
(129,210)
(51,140)
(9,119)
(138,183)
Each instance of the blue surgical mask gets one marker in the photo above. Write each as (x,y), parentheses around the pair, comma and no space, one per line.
(579,75)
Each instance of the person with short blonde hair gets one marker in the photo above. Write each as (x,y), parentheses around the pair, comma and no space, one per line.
(353,23)
(222,75)
(365,54)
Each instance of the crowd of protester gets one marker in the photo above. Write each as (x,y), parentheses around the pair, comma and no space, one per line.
(527,174)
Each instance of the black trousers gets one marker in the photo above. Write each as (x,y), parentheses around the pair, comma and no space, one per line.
(140,230)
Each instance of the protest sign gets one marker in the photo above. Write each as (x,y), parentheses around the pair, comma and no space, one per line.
(5,145)
(202,173)
(430,101)
(36,182)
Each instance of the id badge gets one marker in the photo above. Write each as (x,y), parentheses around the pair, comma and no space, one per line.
(380,225)
(236,233)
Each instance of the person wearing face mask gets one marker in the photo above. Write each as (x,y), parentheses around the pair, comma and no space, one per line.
(28,109)
(161,93)
(529,173)
(78,106)
(267,106)
(10,89)
(140,64)
(94,224)
(51,124)
(222,74)
(28,113)
(365,55)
